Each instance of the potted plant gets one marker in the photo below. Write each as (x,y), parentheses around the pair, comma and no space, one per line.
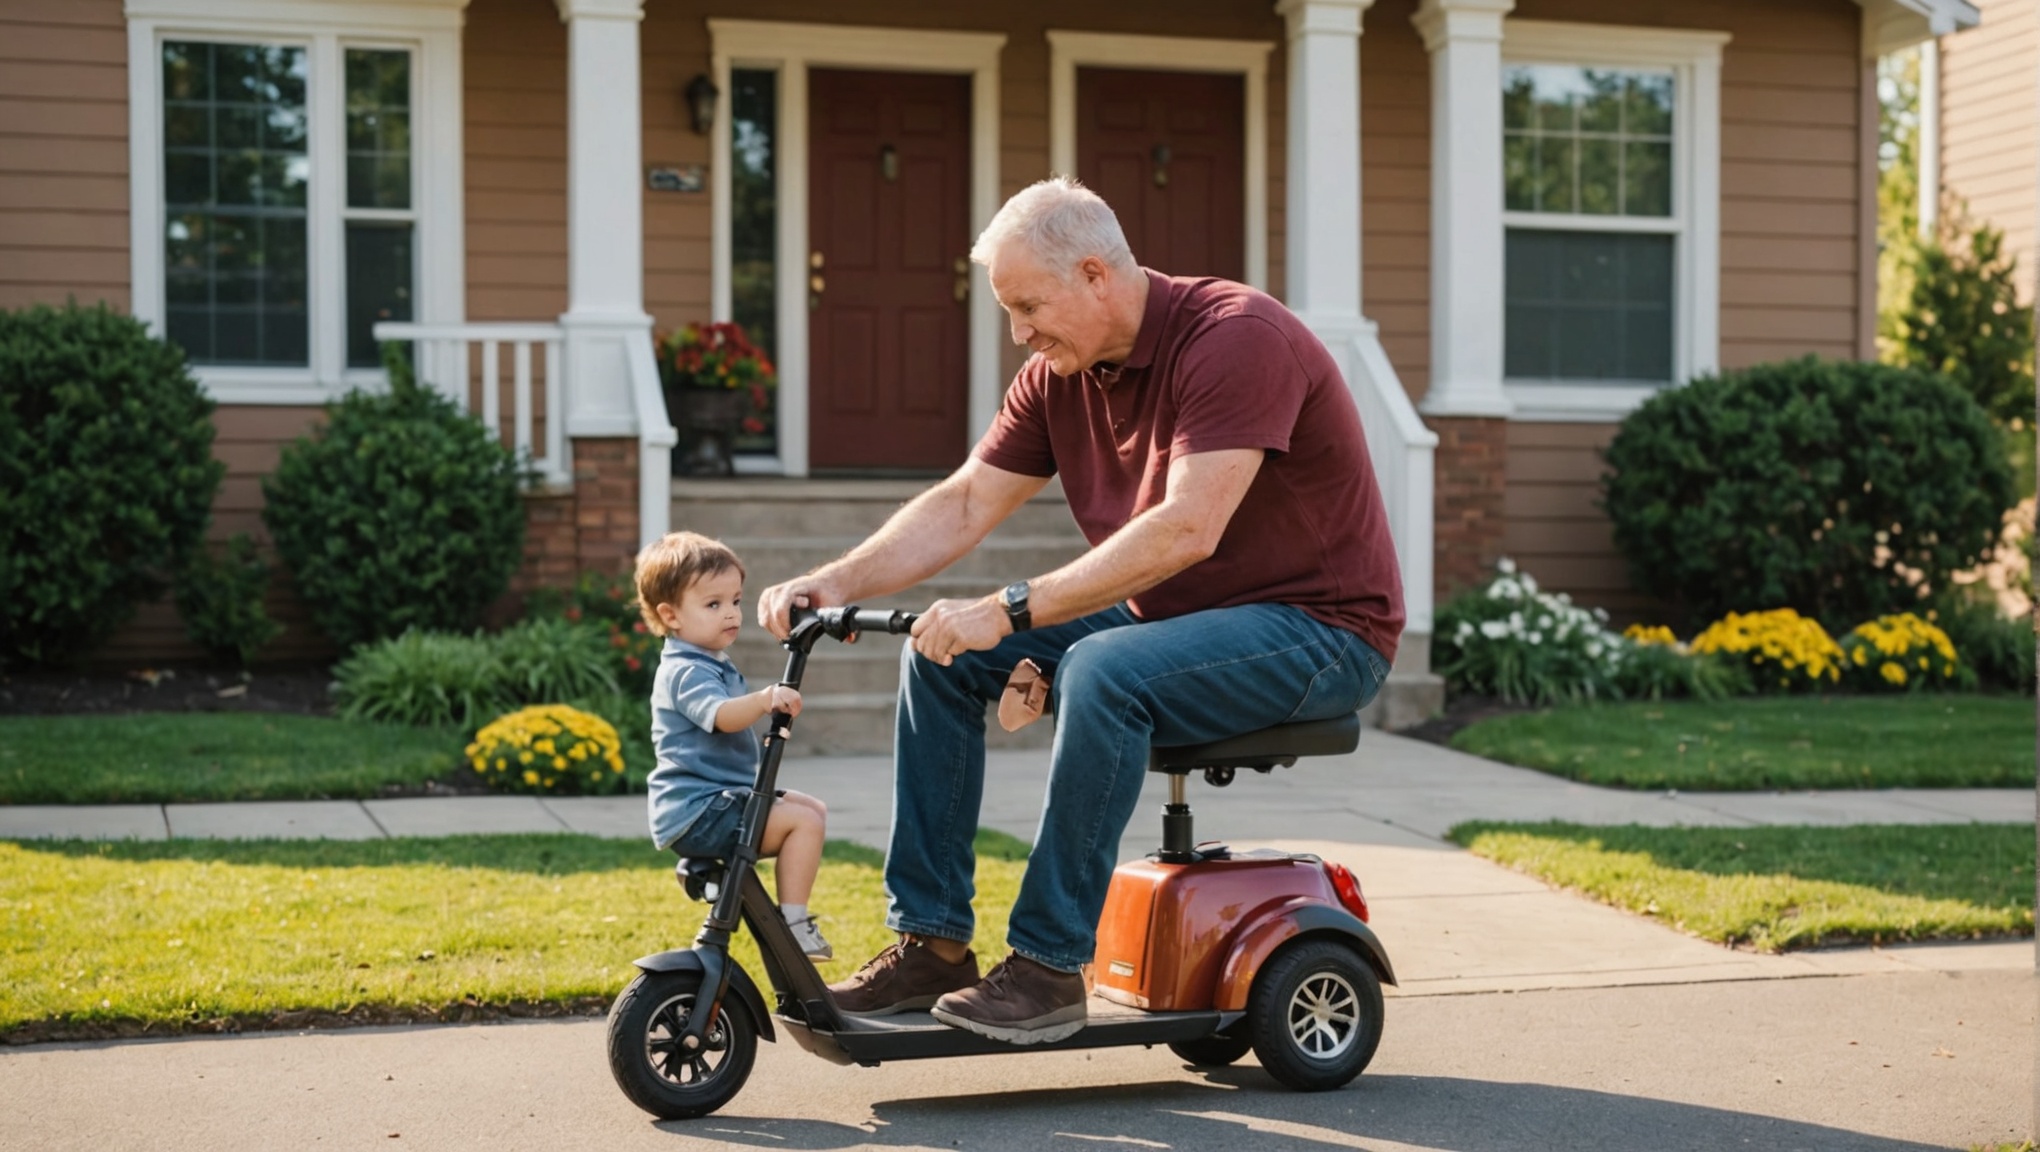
(717,384)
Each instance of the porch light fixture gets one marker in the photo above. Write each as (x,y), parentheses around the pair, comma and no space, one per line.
(701,94)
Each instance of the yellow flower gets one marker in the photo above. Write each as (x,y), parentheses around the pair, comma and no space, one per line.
(1892,672)
(499,764)
(530,777)
(559,762)
(524,757)
(543,746)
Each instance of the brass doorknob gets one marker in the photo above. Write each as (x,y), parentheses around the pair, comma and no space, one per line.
(815,284)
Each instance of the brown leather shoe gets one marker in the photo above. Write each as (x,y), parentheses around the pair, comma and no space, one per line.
(907,977)
(1020,1002)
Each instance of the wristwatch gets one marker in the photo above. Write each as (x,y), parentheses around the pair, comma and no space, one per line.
(1013,598)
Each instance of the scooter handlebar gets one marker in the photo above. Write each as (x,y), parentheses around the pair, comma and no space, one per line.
(845,622)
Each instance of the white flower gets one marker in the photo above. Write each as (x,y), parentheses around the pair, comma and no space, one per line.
(1506,566)
(1464,633)
(1594,649)
(1494,629)
(1529,582)
(1535,638)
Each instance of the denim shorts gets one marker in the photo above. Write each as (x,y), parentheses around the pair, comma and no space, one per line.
(714,832)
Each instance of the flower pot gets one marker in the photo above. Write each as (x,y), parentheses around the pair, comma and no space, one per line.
(706,419)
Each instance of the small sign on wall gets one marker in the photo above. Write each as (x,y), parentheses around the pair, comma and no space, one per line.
(677,178)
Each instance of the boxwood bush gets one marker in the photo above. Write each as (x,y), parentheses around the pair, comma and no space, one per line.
(106,475)
(398,512)
(1840,489)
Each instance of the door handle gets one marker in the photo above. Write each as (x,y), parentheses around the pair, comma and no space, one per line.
(961,288)
(815,282)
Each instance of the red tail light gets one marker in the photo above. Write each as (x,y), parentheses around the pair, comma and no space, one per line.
(1348,888)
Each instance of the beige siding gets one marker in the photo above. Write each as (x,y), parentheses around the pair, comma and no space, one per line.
(514,66)
(1395,188)
(1990,125)
(63,153)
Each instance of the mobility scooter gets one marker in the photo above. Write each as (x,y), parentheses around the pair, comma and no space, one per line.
(1209,951)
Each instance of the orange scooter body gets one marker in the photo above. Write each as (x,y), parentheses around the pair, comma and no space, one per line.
(1189,937)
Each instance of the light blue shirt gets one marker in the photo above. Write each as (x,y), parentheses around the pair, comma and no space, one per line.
(696,762)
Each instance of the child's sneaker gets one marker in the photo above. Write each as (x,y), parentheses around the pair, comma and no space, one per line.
(810,939)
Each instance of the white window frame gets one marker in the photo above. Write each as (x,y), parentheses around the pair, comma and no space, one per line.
(430,31)
(1694,60)
(790,50)
(1247,59)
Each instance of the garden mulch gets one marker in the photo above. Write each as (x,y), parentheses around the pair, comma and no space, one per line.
(300,690)
(1462,710)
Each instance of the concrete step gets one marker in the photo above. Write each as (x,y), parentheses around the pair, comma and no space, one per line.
(776,506)
(1002,558)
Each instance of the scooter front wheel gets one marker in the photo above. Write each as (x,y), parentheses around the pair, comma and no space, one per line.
(645,1055)
(1315,1015)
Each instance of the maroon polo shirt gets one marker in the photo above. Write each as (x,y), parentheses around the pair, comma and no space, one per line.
(1218,365)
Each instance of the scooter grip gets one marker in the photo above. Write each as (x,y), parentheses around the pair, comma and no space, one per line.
(875,620)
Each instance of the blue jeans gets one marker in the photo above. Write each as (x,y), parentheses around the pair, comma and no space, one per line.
(1118,686)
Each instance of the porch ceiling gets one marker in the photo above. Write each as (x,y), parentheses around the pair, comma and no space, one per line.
(1894,24)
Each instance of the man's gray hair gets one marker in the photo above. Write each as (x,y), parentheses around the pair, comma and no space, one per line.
(1061,222)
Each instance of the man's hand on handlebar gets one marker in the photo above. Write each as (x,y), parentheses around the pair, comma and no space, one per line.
(950,628)
(776,604)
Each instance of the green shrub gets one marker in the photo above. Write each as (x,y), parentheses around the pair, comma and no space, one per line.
(1996,647)
(423,678)
(220,599)
(546,660)
(398,513)
(1961,316)
(1838,489)
(610,603)
(434,678)
(106,475)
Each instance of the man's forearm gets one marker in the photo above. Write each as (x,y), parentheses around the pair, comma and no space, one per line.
(931,532)
(1150,549)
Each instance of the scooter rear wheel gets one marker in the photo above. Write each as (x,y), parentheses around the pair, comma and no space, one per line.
(645,1055)
(1315,1015)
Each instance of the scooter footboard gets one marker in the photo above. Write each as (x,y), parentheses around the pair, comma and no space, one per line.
(685,960)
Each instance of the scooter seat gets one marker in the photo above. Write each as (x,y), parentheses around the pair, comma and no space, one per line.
(1267,748)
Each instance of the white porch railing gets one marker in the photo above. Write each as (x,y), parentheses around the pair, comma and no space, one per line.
(445,365)
(1403,450)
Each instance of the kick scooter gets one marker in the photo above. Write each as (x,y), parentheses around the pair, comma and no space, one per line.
(1209,951)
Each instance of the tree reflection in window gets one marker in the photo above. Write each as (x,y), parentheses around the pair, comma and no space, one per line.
(754,217)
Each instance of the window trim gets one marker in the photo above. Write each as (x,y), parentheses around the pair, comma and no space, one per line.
(1694,59)
(430,31)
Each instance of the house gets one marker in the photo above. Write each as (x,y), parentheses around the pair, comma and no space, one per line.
(1510,220)
(1980,128)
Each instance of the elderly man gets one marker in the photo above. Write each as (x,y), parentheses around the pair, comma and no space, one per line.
(1240,575)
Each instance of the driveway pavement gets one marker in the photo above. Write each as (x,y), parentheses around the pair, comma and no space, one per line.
(1526,1017)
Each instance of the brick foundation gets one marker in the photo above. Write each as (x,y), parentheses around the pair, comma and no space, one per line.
(591,528)
(1471,473)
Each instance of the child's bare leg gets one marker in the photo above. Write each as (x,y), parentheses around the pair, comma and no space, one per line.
(793,834)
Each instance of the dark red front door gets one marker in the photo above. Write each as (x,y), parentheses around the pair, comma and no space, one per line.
(889,223)
(1168,151)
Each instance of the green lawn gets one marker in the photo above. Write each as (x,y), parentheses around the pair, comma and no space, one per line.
(1923,741)
(99,938)
(180,757)
(1780,888)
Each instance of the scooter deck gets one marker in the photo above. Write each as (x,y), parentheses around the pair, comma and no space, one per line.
(918,1036)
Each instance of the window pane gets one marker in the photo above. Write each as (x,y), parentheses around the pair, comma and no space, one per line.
(1600,177)
(1592,141)
(378,283)
(378,128)
(754,241)
(1588,306)
(1519,173)
(234,202)
(1647,179)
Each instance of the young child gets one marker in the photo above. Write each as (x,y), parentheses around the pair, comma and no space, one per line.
(691,589)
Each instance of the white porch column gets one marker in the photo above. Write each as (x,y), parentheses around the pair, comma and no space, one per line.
(1323,230)
(1465,41)
(610,375)
(605,218)
(1323,249)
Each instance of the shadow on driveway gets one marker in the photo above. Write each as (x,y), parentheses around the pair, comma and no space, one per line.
(1376,1113)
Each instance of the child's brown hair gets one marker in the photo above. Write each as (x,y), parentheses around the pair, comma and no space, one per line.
(667,567)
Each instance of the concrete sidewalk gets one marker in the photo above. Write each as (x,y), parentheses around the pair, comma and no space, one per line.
(1390,790)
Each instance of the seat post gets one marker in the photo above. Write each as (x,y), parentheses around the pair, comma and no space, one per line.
(1179,842)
